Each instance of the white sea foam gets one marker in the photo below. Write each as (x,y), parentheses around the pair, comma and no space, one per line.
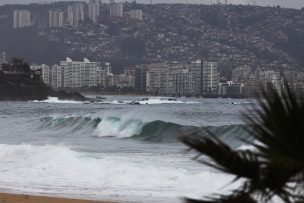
(121,127)
(150,101)
(57,101)
(60,170)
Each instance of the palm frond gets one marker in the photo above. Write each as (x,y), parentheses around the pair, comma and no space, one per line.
(242,164)
(238,198)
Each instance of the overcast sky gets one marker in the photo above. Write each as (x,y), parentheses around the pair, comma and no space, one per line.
(283,3)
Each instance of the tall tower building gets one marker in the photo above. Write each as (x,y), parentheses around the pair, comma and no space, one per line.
(2,57)
(116,10)
(22,18)
(94,10)
(210,78)
(56,19)
(75,14)
(97,3)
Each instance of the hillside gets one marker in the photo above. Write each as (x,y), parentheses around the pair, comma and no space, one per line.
(265,37)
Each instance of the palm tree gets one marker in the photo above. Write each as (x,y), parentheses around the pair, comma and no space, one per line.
(276,167)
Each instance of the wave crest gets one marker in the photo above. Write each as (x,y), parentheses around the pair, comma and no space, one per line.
(135,128)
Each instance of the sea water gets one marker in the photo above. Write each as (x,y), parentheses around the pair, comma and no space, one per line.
(112,150)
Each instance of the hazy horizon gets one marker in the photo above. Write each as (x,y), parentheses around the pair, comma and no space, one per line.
(288,4)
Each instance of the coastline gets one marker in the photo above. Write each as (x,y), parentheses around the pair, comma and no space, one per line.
(17,198)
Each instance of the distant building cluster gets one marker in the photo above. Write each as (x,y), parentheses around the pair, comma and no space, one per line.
(75,74)
(257,80)
(195,79)
(76,13)
(198,78)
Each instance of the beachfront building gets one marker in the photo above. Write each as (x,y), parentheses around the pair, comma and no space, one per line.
(231,89)
(75,74)
(83,74)
(140,78)
(153,82)
(195,67)
(209,78)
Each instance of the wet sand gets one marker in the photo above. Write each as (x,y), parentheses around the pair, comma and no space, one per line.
(14,198)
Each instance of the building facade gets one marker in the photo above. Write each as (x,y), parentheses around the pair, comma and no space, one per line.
(210,79)
(230,89)
(56,19)
(116,10)
(22,18)
(2,57)
(140,78)
(75,14)
(136,14)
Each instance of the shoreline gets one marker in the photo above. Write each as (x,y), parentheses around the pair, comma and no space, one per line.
(17,198)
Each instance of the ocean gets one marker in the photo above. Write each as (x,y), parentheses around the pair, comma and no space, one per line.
(113,150)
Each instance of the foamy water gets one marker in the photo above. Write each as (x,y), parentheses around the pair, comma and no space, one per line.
(57,101)
(111,151)
(58,169)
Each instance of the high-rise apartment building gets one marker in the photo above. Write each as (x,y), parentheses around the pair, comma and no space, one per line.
(75,14)
(93,12)
(96,2)
(154,73)
(210,78)
(196,68)
(136,14)
(22,18)
(116,10)
(2,58)
(140,78)
(56,19)
(84,74)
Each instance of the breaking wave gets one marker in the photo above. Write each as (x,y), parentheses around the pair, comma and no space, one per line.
(58,101)
(135,128)
(61,170)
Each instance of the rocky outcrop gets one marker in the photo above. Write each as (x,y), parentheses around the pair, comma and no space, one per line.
(28,86)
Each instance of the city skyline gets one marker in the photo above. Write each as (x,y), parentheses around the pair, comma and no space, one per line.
(288,4)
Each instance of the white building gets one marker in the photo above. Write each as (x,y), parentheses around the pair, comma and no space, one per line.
(75,14)
(22,18)
(93,12)
(2,57)
(56,19)
(57,76)
(136,14)
(84,74)
(116,10)
(154,73)
(98,3)
(210,78)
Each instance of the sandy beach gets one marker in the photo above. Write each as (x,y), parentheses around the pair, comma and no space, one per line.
(13,198)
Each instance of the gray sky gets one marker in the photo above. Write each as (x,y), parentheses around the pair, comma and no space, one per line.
(283,3)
